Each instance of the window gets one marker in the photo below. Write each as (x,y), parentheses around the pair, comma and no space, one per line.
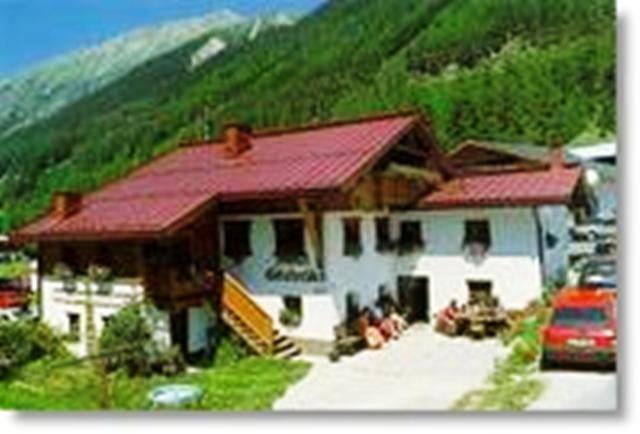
(410,237)
(237,239)
(74,327)
(479,291)
(383,235)
(289,238)
(477,237)
(352,244)
(576,316)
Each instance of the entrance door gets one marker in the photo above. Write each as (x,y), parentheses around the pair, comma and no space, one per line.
(413,295)
(180,330)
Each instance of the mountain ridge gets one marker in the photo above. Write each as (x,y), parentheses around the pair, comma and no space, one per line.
(535,71)
(50,85)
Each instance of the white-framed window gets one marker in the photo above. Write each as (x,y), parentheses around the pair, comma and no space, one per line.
(73,326)
(352,237)
(477,237)
(411,239)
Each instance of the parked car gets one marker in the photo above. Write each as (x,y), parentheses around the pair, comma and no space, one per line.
(598,228)
(12,294)
(599,273)
(582,330)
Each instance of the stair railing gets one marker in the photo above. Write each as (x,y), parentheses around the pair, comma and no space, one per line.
(237,299)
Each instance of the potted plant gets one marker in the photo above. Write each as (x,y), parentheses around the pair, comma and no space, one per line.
(102,277)
(63,272)
(290,318)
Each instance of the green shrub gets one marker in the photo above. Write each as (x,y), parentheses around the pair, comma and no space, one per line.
(24,341)
(169,362)
(126,340)
(230,350)
(128,343)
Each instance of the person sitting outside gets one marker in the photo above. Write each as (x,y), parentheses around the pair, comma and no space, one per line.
(400,323)
(368,331)
(388,328)
(446,320)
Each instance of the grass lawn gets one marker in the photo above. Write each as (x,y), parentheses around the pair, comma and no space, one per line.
(248,384)
(509,388)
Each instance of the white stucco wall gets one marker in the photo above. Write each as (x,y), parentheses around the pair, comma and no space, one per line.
(253,268)
(512,264)
(320,313)
(363,274)
(58,304)
(319,316)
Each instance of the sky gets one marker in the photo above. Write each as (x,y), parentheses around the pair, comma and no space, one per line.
(34,30)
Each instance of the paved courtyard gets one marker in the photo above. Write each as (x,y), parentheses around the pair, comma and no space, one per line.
(577,391)
(420,371)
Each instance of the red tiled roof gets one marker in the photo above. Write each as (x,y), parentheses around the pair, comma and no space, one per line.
(162,194)
(506,188)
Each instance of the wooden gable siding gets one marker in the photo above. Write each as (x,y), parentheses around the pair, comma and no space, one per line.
(472,157)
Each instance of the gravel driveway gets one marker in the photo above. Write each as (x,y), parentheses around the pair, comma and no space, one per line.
(577,391)
(420,371)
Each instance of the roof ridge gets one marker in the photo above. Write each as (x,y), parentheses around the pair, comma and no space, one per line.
(147,195)
(263,161)
(527,171)
(275,131)
(318,125)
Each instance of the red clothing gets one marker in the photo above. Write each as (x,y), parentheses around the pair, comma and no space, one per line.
(387,328)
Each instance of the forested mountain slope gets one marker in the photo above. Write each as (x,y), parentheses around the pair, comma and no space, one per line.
(43,89)
(540,71)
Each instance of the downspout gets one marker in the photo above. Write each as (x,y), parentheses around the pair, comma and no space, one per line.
(540,241)
(38,288)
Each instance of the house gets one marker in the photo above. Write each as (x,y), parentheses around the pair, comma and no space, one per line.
(320,220)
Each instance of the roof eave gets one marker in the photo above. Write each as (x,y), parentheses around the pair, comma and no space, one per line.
(496,203)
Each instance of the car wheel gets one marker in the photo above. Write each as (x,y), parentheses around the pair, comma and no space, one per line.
(546,363)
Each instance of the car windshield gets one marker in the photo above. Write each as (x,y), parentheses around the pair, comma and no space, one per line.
(578,315)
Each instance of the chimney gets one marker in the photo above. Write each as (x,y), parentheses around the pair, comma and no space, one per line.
(65,204)
(556,157)
(237,139)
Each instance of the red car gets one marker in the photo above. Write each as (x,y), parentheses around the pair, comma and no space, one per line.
(12,294)
(582,330)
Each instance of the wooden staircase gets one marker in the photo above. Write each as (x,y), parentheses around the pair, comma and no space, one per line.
(251,323)
(284,347)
